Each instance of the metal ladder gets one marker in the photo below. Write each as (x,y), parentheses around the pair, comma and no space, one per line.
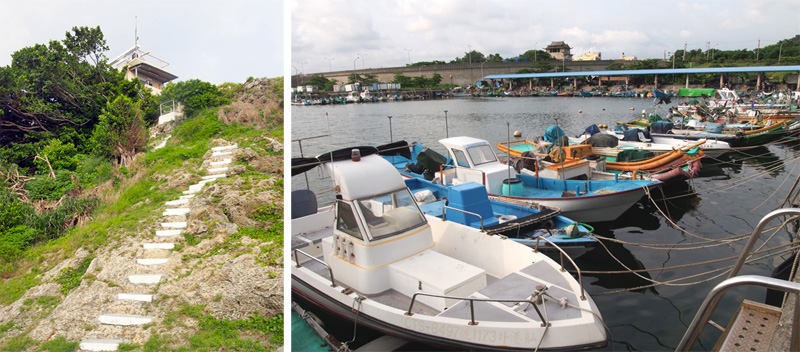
(702,318)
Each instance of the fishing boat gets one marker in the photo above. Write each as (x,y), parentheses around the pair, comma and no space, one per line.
(469,204)
(373,257)
(632,161)
(473,160)
(641,139)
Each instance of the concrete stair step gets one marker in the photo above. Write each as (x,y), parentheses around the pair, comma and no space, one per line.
(168,233)
(145,278)
(214,177)
(176,211)
(124,319)
(138,297)
(173,225)
(166,245)
(151,261)
(217,170)
(225,147)
(221,154)
(220,163)
(94,344)
(177,202)
(189,196)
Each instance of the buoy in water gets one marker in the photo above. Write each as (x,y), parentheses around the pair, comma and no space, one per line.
(580,111)
(631,107)
(517,134)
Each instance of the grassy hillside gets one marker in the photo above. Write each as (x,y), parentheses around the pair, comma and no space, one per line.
(224,281)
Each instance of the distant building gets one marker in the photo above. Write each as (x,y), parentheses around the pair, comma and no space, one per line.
(627,58)
(144,67)
(588,56)
(559,50)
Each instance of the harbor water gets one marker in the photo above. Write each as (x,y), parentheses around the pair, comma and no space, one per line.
(664,254)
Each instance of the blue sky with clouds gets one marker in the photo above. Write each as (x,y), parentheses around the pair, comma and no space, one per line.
(335,34)
(215,41)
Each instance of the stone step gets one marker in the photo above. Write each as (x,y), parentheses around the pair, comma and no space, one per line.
(217,170)
(225,147)
(124,319)
(168,233)
(173,225)
(151,261)
(214,177)
(100,344)
(145,278)
(139,297)
(163,143)
(166,245)
(176,211)
(177,202)
(220,163)
(221,154)
(189,196)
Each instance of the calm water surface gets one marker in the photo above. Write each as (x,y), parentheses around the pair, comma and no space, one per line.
(729,198)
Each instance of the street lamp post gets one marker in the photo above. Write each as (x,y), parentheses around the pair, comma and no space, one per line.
(779,53)
(469,53)
(408,51)
(363,61)
(330,69)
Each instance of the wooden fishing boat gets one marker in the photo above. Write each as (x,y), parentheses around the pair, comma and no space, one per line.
(581,151)
(375,258)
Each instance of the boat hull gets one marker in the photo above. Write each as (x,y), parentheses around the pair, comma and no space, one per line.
(321,297)
(591,208)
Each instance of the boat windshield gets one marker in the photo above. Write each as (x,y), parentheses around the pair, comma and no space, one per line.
(481,154)
(391,213)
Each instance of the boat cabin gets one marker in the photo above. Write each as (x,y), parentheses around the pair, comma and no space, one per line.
(475,161)
(381,238)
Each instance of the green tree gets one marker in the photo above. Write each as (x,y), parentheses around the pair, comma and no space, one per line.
(52,90)
(121,131)
(194,94)
(536,55)
(494,58)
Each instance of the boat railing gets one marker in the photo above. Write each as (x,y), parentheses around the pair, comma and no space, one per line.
(539,290)
(563,255)
(444,216)
(715,296)
(298,265)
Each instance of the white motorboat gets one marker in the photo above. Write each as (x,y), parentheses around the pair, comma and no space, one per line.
(373,257)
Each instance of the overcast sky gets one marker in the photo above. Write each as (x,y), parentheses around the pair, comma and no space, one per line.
(344,30)
(215,41)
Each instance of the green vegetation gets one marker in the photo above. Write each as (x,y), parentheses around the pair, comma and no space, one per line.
(72,177)
(70,278)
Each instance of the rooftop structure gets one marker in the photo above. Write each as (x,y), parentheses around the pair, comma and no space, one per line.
(588,56)
(147,68)
(559,50)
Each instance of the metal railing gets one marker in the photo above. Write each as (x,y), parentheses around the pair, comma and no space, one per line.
(712,300)
(564,254)
(166,108)
(715,296)
(298,265)
(472,300)
(444,217)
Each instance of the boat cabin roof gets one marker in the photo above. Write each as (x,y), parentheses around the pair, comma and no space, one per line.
(462,142)
(370,176)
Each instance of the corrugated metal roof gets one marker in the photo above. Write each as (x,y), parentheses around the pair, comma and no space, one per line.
(663,71)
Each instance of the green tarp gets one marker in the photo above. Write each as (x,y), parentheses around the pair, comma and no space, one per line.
(696,92)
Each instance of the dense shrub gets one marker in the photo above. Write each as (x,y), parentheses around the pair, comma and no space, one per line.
(194,94)
(48,188)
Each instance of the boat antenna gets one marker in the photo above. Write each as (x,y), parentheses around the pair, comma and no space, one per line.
(508,138)
(446,129)
(561,156)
